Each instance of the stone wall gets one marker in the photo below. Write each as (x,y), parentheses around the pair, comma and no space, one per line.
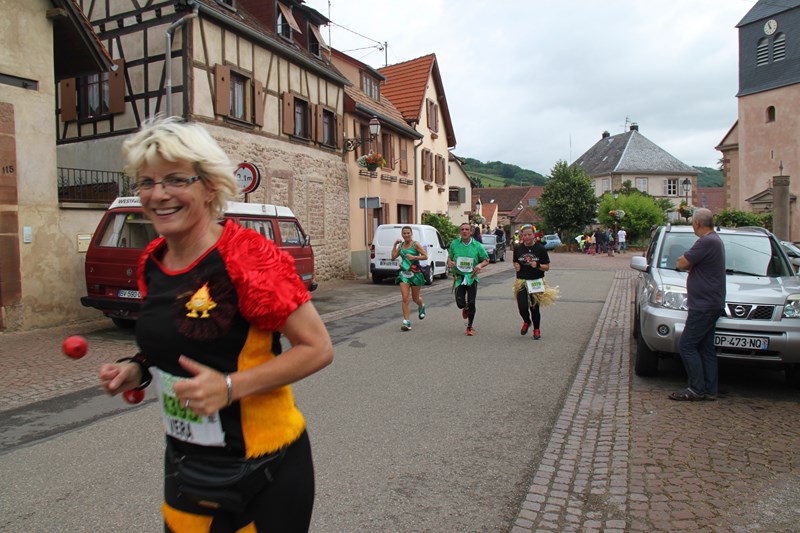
(313,183)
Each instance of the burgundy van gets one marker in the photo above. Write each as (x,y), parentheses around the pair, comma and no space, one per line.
(124,233)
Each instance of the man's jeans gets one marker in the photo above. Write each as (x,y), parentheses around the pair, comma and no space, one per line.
(623,246)
(697,351)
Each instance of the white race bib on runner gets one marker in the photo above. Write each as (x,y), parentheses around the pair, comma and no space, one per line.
(181,423)
(465,264)
(534,285)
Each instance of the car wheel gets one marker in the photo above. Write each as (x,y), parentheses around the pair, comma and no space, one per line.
(376,279)
(646,359)
(793,376)
(123,323)
(636,331)
(429,276)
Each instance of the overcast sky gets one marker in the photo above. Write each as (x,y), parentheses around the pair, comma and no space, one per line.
(530,82)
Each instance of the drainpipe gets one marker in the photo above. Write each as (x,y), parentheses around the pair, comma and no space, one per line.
(172,27)
(417,214)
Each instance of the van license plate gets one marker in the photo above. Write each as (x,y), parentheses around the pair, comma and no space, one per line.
(129,294)
(388,263)
(739,341)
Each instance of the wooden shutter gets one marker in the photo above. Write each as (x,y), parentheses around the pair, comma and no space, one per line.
(258,103)
(116,88)
(288,114)
(319,124)
(69,100)
(404,156)
(338,131)
(462,195)
(222,85)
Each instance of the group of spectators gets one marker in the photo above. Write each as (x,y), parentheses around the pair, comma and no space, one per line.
(604,241)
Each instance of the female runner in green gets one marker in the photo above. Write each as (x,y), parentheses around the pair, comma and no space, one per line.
(410,276)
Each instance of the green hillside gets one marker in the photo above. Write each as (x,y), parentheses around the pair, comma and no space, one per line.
(499,174)
(709,177)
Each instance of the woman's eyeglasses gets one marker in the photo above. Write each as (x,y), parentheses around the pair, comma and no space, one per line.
(170,184)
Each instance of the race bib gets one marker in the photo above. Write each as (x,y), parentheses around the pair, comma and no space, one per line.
(465,264)
(534,285)
(181,423)
(407,274)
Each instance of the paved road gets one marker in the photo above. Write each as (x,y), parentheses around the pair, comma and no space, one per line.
(440,432)
(411,431)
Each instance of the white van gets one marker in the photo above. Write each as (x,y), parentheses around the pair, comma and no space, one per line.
(381,264)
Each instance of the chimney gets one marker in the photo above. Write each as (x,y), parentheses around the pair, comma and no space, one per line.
(606,135)
(634,126)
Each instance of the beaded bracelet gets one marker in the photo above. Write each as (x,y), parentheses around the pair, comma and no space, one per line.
(140,360)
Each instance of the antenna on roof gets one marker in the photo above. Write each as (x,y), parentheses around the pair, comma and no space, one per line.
(627,121)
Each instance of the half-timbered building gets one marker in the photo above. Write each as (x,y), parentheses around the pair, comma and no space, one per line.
(253,71)
(41,271)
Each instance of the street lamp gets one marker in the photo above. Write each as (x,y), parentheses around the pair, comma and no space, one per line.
(374,131)
(687,187)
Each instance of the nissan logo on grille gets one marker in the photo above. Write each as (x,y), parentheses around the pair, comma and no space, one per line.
(739,311)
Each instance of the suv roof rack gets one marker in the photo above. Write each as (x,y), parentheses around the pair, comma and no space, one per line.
(761,229)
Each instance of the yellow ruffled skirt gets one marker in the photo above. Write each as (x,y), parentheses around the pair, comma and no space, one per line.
(549,296)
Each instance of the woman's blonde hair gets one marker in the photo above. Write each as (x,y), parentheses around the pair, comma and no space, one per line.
(174,139)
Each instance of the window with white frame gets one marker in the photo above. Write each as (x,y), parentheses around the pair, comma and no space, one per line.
(239,96)
(606,186)
(370,86)
(641,184)
(301,118)
(328,128)
(671,187)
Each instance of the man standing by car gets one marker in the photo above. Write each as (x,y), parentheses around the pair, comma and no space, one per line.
(467,258)
(705,288)
(622,235)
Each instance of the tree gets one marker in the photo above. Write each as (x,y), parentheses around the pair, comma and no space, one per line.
(447,229)
(568,203)
(642,212)
(733,218)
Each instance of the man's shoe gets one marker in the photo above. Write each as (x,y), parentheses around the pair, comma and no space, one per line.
(465,313)
(524,329)
(470,331)
(421,312)
(537,334)
(710,397)
(686,395)
(406,325)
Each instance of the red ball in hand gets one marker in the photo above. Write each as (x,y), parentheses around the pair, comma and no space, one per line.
(75,346)
(133,396)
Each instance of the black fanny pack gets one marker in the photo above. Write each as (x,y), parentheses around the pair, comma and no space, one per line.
(223,483)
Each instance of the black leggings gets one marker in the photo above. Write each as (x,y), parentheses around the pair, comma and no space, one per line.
(284,506)
(526,311)
(465,298)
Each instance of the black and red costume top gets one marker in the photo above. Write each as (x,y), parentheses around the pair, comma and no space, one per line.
(224,311)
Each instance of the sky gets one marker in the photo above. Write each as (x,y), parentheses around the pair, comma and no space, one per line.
(532,82)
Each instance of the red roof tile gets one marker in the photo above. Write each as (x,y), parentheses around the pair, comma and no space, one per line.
(406,84)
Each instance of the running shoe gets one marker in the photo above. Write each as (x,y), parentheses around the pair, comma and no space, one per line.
(465,313)
(406,325)
(537,334)
(470,331)
(421,312)
(524,329)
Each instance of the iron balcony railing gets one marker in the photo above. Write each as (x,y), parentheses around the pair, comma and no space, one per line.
(83,185)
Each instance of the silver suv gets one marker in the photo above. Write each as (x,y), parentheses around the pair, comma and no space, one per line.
(761,323)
